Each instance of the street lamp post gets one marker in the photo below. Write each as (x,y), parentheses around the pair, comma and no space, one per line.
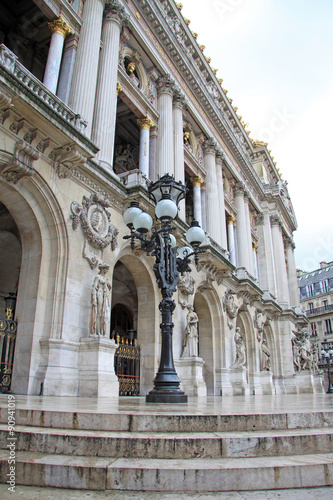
(328,355)
(169,262)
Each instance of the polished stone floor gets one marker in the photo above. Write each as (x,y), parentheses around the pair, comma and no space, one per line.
(37,493)
(240,405)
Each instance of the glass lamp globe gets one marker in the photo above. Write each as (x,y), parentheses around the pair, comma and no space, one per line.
(173,242)
(195,235)
(166,209)
(143,222)
(132,211)
(330,352)
(183,252)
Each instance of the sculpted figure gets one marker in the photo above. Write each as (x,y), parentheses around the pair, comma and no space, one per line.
(265,356)
(302,350)
(240,349)
(191,337)
(100,303)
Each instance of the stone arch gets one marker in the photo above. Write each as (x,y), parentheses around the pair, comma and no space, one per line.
(139,67)
(209,313)
(148,331)
(40,298)
(268,333)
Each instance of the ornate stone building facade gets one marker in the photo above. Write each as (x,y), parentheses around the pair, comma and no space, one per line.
(97,99)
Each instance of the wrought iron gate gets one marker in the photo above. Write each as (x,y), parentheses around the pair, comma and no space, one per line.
(127,367)
(8,329)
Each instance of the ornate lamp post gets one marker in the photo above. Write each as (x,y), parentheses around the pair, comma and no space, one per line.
(169,262)
(327,353)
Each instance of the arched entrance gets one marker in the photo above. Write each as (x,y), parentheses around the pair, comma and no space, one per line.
(135,303)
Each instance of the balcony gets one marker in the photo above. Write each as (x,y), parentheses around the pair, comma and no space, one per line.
(319,310)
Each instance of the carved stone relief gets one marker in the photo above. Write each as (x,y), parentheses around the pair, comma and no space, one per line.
(95,223)
(65,158)
(20,164)
(230,307)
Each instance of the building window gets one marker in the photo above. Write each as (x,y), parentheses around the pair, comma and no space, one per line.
(325,304)
(311,306)
(324,288)
(310,290)
(314,330)
(328,327)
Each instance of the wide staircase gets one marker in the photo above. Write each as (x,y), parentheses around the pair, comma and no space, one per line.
(141,451)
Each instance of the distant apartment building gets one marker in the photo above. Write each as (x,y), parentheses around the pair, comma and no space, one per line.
(316,297)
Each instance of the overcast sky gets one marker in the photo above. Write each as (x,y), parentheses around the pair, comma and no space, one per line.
(275,58)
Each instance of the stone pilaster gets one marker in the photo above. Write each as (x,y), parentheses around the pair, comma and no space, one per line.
(165,86)
(83,90)
(59,31)
(197,208)
(67,68)
(203,207)
(106,96)
(266,268)
(291,270)
(178,105)
(280,262)
(248,233)
(212,215)
(153,154)
(231,239)
(242,238)
(144,124)
(255,260)
(219,175)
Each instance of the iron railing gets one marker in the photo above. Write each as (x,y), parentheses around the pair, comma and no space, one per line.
(319,310)
(8,329)
(127,367)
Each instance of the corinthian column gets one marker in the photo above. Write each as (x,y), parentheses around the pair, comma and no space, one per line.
(248,233)
(197,208)
(164,86)
(178,104)
(266,268)
(280,262)
(144,124)
(82,96)
(212,203)
(291,270)
(59,31)
(231,239)
(242,237)
(106,96)
(67,68)
(223,228)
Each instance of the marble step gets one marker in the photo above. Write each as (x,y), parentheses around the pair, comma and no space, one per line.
(204,474)
(163,422)
(173,445)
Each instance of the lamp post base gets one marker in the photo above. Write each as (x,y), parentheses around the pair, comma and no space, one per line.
(165,396)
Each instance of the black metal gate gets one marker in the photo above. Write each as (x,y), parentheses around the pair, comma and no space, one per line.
(127,367)
(8,329)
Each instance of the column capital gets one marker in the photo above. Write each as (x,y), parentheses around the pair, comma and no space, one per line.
(59,26)
(209,146)
(239,188)
(275,220)
(196,181)
(178,98)
(145,123)
(289,243)
(115,12)
(230,220)
(220,156)
(165,85)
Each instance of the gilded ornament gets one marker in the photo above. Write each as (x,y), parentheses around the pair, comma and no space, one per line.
(235,108)
(144,123)
(196,181)
(187,21)
(214,70)
(179,6)
(202,47)
(275,163)
(195,35)
(208,59)
(220,80)
(130,68)
(225,91)
(257,144)
(59,26)
(269,151)
(137,15)
(186,137)
(230,100)
(119,88)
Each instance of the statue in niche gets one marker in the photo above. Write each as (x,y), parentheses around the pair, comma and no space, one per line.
(302,350)
(230,307)
(265,356)
(100,303)
(240,349)
(191,337)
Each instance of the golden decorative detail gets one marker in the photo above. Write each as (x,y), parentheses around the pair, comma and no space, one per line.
(119,88)
(208,59)
(196,181)
(202,47)
(9,313)
(130,68)
(257,144)
(220,80)
(225,91)
(269,150)
(235,108)
(145,123)
(137,15)
(195,35)
(248,132)
(275,163)
(214,70)
(187,21)
(254,246)
(244,124)
(186,137)
(230,219)
(179,6)
(272,157)
(230,100)
(239,117)
(59,26)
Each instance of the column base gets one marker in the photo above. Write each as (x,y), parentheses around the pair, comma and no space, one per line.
(165,396)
